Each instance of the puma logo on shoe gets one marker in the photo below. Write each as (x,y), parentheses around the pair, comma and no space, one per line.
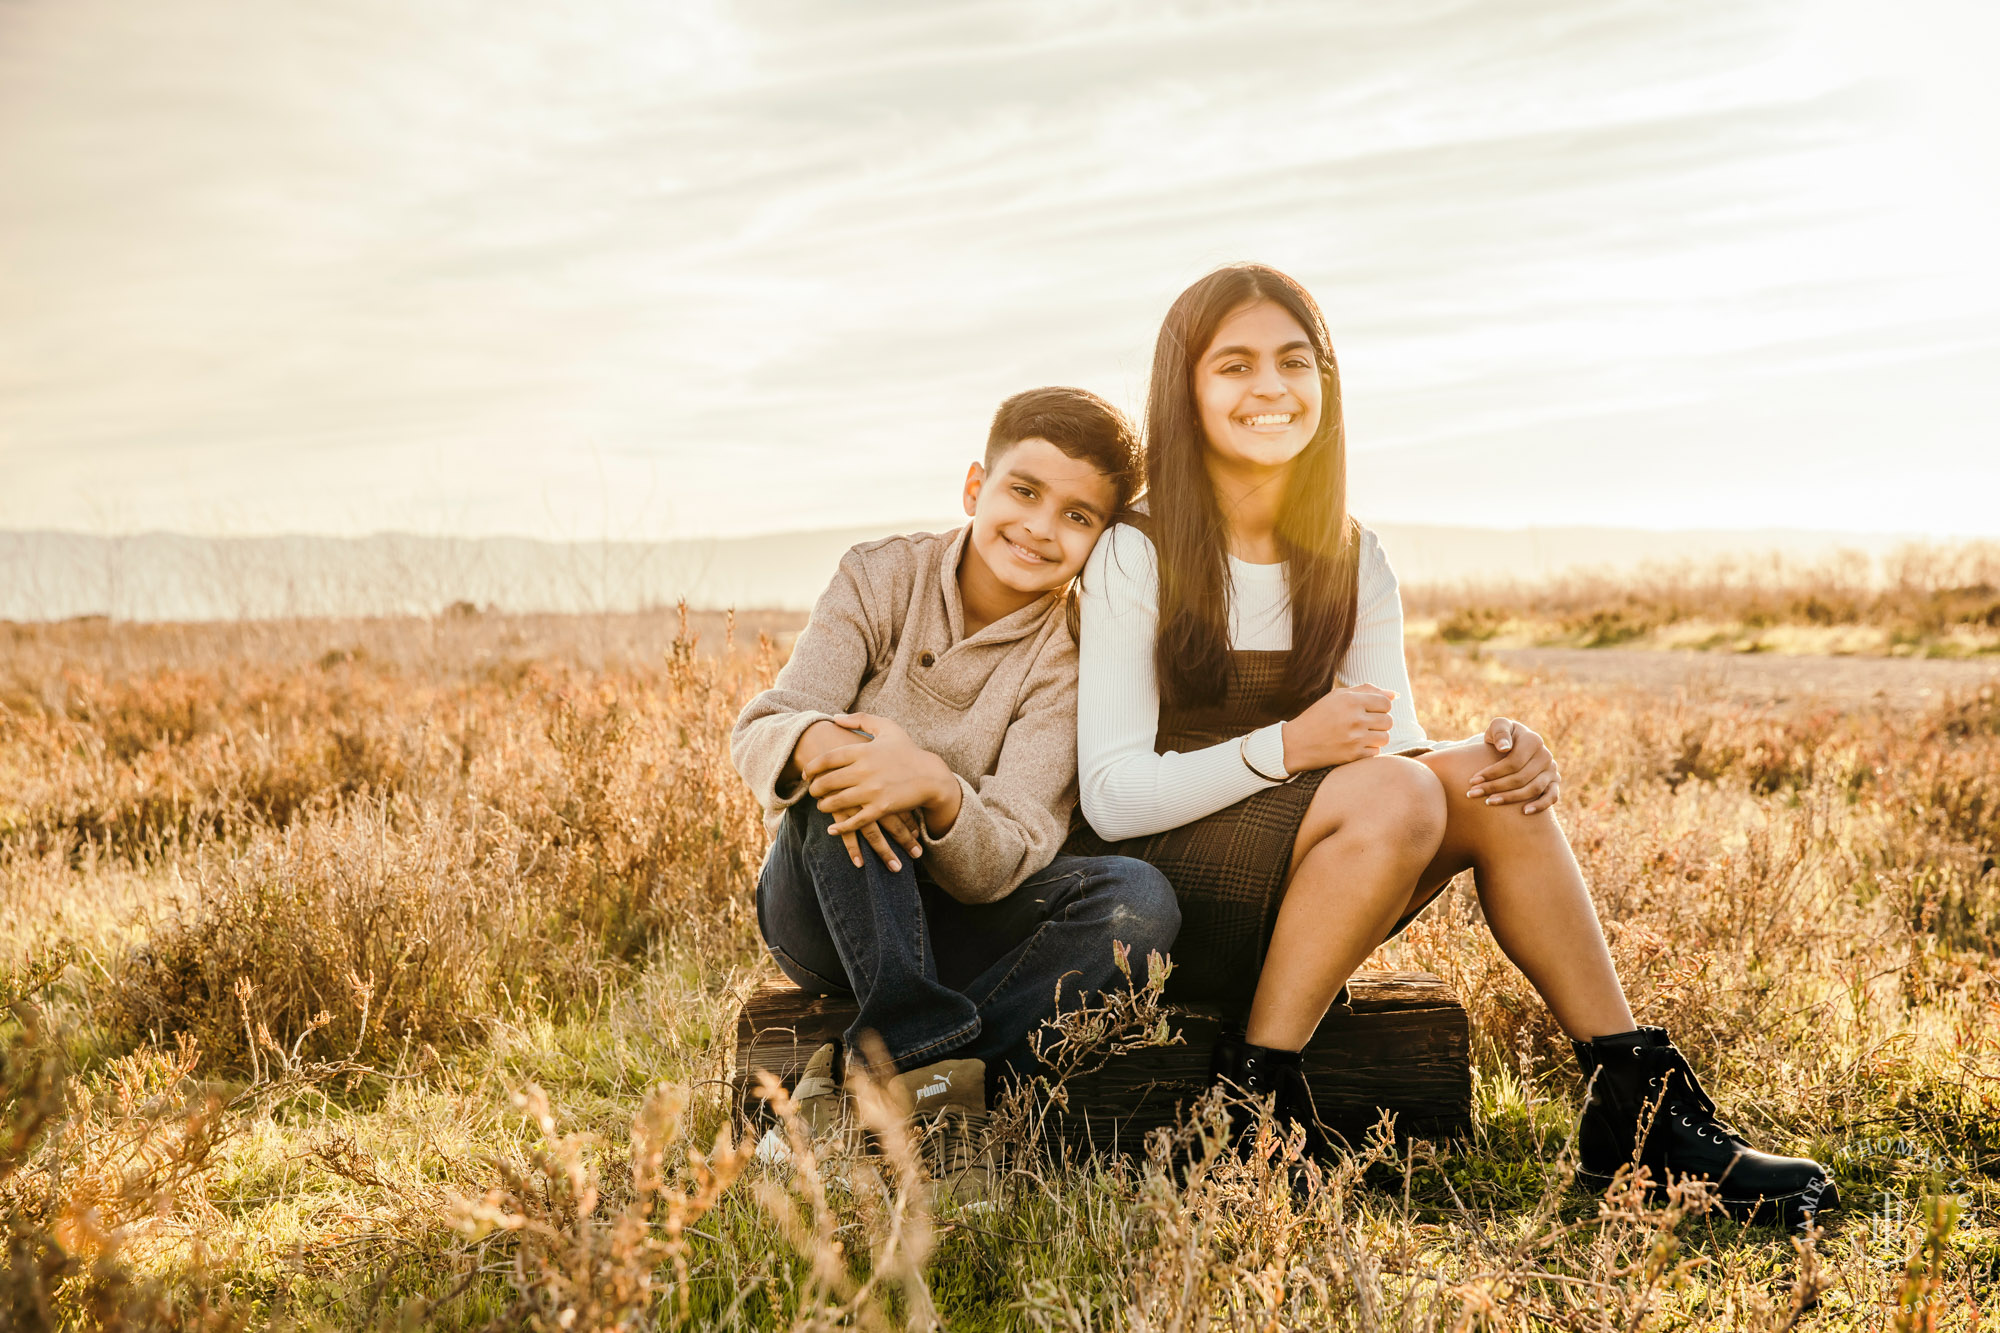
(948,1114)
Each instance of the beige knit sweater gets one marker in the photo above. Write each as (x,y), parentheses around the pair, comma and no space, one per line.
(888,637)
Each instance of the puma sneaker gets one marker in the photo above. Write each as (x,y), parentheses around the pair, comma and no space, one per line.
(948,1110)
(818,1096)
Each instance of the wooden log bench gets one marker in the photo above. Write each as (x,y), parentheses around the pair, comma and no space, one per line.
(1398,1043)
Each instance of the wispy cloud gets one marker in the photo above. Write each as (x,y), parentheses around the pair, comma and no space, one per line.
(732,267)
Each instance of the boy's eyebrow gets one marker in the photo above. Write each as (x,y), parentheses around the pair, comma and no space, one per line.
(1292,346)
(1035,481)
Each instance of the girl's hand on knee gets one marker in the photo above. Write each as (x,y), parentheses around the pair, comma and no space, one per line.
(1526,771)
(851,839)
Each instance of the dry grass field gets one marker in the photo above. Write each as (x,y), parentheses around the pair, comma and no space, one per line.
(1928,601)
(381,974)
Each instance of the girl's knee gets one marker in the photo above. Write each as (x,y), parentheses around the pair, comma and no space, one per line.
(1411,799)
(1394,799)
(1472,818)
(1454,768)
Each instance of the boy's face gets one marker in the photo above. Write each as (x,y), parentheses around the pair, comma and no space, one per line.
(1037,515)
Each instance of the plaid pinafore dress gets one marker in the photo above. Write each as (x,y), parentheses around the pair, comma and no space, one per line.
(1228,869)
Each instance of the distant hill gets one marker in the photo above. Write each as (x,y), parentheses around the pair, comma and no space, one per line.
(167,576)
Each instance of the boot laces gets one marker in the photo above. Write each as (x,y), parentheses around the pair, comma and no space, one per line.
(1682,1097)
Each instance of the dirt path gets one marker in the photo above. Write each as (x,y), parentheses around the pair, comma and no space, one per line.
(1900,682)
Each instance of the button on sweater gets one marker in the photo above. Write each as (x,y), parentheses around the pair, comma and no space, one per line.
(999,707)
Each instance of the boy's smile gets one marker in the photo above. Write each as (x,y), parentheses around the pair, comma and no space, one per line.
(1028,557)
(1035,519)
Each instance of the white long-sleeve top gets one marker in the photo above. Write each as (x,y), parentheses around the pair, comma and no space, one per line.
(1128,791)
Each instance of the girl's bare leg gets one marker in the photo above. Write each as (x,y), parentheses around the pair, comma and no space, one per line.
(1533,896)
(1372,828)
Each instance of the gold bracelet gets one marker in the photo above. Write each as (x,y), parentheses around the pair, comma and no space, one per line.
(1243,753)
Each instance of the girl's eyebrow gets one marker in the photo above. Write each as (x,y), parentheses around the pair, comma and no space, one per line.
(1291,346)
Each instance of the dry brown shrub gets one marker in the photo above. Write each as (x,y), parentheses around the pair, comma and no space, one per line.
(390,926)
(408,856)
(573,1269)
(90,1172)
(1918,592)
(586,1251)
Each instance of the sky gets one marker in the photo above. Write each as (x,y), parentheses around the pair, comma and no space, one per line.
(644,269)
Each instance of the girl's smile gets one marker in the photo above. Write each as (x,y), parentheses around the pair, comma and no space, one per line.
(1269,421)
(1258,388)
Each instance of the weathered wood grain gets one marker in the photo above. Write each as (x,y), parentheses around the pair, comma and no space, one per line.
(1399,1044)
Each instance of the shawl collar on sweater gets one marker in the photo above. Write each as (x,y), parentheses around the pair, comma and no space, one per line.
(1004,630)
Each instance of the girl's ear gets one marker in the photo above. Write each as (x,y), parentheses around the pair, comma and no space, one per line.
(975,478)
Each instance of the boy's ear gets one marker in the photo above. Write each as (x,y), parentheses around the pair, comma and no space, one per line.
(975,478)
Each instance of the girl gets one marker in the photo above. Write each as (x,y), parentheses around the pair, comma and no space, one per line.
(1245,724)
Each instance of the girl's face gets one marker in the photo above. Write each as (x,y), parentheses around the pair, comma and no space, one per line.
(1258,389)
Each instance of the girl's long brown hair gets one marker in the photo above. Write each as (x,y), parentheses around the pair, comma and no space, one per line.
(1319,540)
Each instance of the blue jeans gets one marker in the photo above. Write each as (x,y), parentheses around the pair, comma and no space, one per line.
(937,977)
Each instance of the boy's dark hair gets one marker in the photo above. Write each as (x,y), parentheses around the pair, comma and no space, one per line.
(1079,423)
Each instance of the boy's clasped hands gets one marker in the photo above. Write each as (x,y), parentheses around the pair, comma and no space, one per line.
(885,790)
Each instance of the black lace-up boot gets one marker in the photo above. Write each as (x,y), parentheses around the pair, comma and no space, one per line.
(1260,1071)
(1642,1079)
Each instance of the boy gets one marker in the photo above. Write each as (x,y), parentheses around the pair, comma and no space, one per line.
(917,763)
